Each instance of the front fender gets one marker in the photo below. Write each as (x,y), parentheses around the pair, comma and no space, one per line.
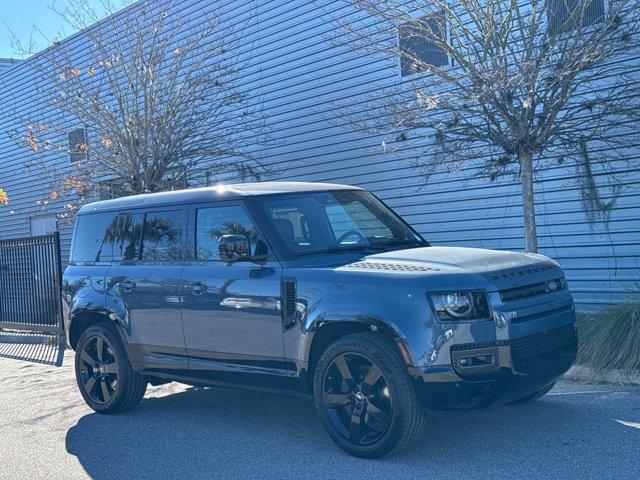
(401,311)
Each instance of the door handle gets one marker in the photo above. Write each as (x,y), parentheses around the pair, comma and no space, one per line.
(128,285)
(197,288)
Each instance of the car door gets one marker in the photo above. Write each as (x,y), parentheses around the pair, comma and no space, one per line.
(230,311)
(144,279)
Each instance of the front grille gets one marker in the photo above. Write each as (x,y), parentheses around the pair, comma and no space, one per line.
(532,290)
(543,342)
(396,267)
(542,351)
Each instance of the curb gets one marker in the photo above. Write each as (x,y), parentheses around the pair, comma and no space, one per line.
(583,373)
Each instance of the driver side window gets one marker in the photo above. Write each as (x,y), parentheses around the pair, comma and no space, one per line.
(214,222)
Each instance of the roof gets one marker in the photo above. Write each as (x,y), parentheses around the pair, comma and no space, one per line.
(205,194)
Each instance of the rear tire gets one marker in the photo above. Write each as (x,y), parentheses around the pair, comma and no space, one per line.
(365,398)
(104,373)
(534,396)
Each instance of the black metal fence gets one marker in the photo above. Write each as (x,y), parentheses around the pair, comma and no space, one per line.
(30,284)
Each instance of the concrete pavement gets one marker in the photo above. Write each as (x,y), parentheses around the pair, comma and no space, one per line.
(46,431)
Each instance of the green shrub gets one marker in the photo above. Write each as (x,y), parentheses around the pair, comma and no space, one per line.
(610,339)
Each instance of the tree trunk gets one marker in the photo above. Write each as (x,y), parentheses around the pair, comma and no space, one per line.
(528,205)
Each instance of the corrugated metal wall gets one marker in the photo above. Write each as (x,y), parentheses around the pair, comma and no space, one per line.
(7,63)
(302,80)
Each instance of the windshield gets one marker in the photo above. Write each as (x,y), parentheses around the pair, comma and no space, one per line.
(342,220)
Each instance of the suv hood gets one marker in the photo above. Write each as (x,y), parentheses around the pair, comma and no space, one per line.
(490,269)
(470,260)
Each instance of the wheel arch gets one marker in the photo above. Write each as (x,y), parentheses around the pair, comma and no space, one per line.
(83,319)
(324,333)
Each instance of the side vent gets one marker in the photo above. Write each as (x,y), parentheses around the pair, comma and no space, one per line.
(288,292)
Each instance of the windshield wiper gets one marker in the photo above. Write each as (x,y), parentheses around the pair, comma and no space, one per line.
(342,249)
(394,242)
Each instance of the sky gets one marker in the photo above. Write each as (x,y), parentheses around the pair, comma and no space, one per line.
(21,15)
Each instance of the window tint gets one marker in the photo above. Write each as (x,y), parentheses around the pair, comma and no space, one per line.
(123,235)
(91,240)
(416,50)
(162,236)
(214,222)
(567,15)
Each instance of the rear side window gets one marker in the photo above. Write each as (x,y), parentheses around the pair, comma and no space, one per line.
(124,235)
(212,223)
(91,239)
(162,236)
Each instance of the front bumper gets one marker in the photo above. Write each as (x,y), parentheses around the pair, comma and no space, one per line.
(499,371)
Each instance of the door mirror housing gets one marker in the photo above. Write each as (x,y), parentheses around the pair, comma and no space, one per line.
(232,248)
(236,248)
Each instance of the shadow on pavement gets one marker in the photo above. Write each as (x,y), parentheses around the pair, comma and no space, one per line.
(221,433)
(32,347)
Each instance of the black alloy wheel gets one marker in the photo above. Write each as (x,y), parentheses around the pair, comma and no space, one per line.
(106,379)
(99,370)
(357,399)
(365,397)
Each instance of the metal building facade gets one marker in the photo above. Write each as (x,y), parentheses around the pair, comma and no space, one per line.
(302,79)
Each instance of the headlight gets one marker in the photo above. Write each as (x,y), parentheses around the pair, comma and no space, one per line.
(450,306)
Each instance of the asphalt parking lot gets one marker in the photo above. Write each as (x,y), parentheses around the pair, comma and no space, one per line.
(577,431)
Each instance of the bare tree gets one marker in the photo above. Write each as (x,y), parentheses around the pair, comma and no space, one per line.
(504,86)
(159,97)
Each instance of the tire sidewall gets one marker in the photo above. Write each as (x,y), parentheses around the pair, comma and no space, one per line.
(374,354)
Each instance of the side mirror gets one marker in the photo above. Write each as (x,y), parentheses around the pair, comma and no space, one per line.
(232,248)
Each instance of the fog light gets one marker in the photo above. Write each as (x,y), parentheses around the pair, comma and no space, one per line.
(475,361)
(479,360)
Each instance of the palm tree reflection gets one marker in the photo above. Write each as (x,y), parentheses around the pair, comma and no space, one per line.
(123,237)
(230,227)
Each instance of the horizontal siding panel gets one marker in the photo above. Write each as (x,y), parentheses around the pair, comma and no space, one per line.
(302,81)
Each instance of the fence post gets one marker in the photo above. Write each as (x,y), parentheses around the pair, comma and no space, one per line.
(62,337)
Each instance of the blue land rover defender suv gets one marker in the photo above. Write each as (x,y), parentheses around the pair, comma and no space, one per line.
(311,288)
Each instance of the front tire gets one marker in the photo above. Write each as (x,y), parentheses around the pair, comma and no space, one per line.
(104,374)
(365,397)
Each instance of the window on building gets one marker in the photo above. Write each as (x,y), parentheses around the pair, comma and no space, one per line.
(110,189)
(416,50)
(77,145)
(212,223)
(43,225)
(175,179)
(162,236)
(567,15)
